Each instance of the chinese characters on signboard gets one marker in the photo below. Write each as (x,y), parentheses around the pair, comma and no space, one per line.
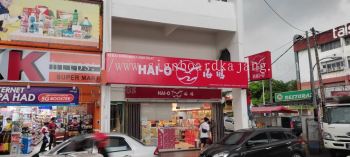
(168,71)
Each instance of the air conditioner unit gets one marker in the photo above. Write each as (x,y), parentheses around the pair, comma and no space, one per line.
(323,71)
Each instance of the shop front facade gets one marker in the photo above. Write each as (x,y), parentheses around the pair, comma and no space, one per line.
(163,100)
(39,85)
(50,64)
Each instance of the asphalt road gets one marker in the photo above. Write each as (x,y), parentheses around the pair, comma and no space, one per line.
(196,154)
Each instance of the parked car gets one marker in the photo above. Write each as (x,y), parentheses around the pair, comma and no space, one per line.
(119,145)
(267,142)
(229,123)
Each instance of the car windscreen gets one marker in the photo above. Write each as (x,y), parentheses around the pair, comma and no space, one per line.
(339,115)
(235,138)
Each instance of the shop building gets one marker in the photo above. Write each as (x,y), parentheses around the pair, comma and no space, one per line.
(148,43)
(50,64)
(334,59)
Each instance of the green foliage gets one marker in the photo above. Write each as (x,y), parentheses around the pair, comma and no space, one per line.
(277,87)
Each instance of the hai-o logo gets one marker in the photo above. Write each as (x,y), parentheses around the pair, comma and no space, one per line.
(187,72)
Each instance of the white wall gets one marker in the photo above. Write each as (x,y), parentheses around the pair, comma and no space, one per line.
(138,38)
(196,13)
(304,63)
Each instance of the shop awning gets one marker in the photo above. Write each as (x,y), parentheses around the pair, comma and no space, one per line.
(272,109)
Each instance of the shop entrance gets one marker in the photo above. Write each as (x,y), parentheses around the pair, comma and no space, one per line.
(117,117)
(173,125)
(73,108)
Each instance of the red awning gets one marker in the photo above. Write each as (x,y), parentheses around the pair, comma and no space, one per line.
(271,109)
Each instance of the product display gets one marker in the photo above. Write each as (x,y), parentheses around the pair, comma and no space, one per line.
(181,131)
(26,123)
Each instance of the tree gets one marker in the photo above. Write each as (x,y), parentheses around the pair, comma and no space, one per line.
(277,87)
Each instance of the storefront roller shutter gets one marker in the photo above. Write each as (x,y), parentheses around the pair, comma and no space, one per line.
(133,120)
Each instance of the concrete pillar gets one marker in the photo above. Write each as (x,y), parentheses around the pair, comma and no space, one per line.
(105,108)
(239,96)
(105,103)
(239,106)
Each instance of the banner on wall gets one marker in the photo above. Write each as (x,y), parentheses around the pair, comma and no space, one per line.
(55,21)
(168,71)
(43,66)
(38,96)
(260,66)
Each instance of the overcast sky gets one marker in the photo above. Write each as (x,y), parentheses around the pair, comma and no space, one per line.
(264,30)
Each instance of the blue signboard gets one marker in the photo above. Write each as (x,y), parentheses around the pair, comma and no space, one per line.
(38,96)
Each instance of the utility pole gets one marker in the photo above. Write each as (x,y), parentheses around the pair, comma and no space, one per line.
(318,70)
(263,87)
(271,98)
(311,70)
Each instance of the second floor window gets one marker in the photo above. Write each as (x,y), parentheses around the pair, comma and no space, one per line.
(347,40)
(332,66)
(330,46)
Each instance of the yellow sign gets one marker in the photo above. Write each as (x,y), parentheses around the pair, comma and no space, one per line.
(50,21)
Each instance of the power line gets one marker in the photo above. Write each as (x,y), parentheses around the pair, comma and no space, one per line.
(281,46)
(282,54)
(282,17)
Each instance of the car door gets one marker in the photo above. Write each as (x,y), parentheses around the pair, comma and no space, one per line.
(257,146)
(118,147)
(278,144)
(83,145)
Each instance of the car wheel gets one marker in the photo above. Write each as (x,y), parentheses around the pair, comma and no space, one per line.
(296,154)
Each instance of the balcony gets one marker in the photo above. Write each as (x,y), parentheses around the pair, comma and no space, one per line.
(208,14)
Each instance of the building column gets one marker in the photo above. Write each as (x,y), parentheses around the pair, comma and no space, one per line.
(105,107)
(240,110)
(105,103)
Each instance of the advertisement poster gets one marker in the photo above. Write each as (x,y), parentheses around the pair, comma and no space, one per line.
(43,66)
(50,21)
(22,96)
(169,71)
(260,66)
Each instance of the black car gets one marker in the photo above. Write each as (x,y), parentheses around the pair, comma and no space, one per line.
(267,142)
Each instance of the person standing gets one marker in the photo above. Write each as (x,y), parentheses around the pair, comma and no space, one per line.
(101,140)
(44,131)
(204,132)
(52,130)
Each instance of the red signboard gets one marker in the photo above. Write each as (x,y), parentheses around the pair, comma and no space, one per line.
(46,66)
(340,93)
(168,71)
(171,93)
(260,66)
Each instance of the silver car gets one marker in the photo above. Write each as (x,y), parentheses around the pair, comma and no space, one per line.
(119,145)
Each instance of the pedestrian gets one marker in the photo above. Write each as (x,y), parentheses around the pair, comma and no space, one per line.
(101,140)
(52,130)
(8,126)
(45,132)
(204,132)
